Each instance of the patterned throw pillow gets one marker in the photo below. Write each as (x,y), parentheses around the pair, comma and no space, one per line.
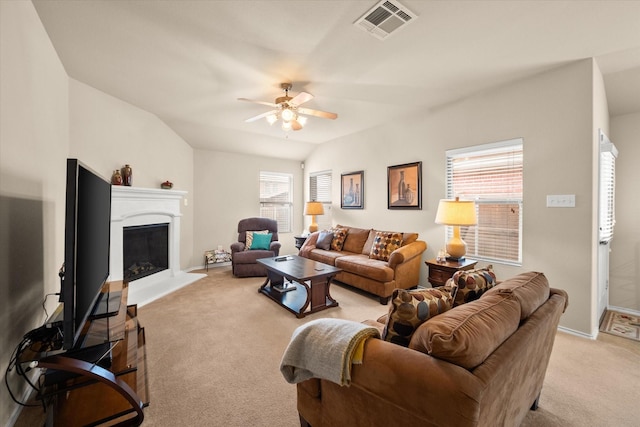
(383,244)
(339,236)
(472,284)
(249,238)
(410,309)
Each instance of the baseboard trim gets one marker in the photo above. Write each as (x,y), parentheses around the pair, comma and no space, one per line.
(625,310)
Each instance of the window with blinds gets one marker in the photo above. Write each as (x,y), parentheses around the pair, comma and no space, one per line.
(490,175)
(607,216)
(276,198)
(320,191)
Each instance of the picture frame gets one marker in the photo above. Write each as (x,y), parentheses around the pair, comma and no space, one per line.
(404,186)
(352,190)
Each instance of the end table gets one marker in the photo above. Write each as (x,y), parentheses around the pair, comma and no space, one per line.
(300,241)
(440,272)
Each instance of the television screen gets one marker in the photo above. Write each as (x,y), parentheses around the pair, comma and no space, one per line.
(87,241)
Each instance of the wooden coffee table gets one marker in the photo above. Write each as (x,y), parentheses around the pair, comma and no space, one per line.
(298,283)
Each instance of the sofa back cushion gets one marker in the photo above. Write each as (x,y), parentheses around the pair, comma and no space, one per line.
(466,335)
(530,289)
(472,284)
(356,238)
(409,238)
(410,309)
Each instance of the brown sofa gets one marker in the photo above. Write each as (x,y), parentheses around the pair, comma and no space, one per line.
(359,270)
(464,367)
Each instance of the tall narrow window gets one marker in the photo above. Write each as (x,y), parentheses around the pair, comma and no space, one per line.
(276,198)
(607,216)
(491,175)
(320,191)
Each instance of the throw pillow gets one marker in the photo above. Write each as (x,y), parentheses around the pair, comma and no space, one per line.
(339,236)
(472,284)
(249,238)
(383,244)
(324,240)
(261,241)
(410,309)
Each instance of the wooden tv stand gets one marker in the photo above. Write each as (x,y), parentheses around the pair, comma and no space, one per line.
(80,393)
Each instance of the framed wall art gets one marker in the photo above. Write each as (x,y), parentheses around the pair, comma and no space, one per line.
(352,190)
(404,186)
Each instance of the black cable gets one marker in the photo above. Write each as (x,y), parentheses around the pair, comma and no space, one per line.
(13,362)
(44,302)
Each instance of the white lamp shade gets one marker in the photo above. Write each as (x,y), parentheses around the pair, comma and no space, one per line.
(456,212)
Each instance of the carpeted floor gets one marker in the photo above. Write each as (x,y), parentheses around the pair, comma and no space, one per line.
(214,349)
(621,324)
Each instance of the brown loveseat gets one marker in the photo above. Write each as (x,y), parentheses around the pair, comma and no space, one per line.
(359,269)
(479,364)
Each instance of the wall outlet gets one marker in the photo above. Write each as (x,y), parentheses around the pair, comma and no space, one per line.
(561,201)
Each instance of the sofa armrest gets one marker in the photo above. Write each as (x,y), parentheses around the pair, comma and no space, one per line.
(309,244)
(407,252)
(275,247)
(237,247)
(562,293)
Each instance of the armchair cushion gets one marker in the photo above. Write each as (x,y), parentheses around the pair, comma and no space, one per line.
(260,241)
(249,238)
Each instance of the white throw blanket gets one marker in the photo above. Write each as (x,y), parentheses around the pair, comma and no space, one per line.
(325,348)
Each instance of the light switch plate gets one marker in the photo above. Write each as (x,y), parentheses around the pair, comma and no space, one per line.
(561,201)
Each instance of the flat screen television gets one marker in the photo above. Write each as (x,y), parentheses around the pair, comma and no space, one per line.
(86,248)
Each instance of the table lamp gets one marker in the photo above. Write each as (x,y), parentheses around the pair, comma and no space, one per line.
(313,208)
(456,213)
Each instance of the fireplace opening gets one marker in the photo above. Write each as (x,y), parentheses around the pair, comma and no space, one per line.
(145,250)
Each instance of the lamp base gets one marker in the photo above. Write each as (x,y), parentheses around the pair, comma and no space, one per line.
(456,259)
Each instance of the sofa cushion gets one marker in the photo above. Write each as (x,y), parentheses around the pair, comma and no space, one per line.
(356,238)
(409,309)
(472,284)
(385,243)
(409,238)
(260,241)
(339,235)
(366,267)
(249,238)
(325,257)
(466,335)
(531,289)
(324,240)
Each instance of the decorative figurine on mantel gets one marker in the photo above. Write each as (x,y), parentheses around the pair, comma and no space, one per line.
(127,175)
(167,185)
(116,178)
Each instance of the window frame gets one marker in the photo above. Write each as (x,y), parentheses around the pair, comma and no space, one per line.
(277,208)
(495,206)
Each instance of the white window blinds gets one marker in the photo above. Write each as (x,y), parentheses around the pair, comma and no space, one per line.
(320,191)
(491,175)
(607,216)
(276,198)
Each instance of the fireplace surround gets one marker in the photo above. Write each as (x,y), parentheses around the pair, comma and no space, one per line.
(135,207)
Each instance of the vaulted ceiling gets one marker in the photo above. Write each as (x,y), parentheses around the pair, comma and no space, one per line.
(188,61)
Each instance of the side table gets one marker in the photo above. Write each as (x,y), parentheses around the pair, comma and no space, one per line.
(300,241)
(440,272)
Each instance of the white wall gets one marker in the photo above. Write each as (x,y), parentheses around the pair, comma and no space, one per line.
(107,133)
(552,112)
(34,138)
(624,290)
(227,190)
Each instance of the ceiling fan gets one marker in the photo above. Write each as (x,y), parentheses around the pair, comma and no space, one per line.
(288,110)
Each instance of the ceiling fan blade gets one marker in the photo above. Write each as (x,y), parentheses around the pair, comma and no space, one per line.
(259,116)
(295,125)
(270,104)
(301,98)
(318,113)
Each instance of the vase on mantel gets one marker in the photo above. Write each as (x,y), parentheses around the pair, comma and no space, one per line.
(127,175)
(116,178)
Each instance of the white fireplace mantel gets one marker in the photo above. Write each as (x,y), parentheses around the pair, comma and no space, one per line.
(133,206)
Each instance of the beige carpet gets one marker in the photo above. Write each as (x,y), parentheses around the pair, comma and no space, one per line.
(214,349)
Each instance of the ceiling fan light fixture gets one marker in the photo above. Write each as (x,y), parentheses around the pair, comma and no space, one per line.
(288,115)
(286,126)
(302,120)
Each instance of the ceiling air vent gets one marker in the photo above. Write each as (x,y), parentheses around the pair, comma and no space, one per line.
(385,18)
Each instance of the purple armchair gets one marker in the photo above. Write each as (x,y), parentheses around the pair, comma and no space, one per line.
(244,262)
